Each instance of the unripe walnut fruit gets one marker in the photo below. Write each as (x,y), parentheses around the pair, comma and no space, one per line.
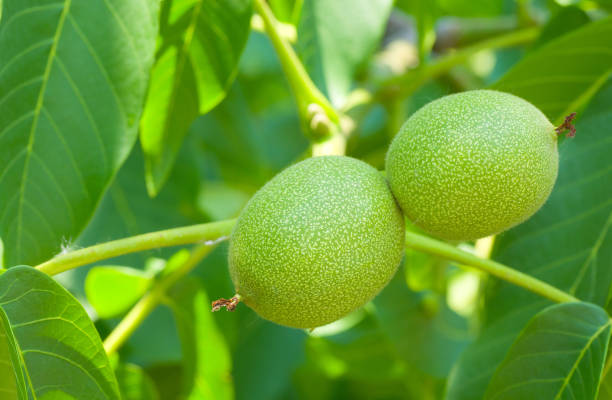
(473,164)
(316,242)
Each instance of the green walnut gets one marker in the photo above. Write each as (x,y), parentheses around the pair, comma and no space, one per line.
(318,241)
(473,164)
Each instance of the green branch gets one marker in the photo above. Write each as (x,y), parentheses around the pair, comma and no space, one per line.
(318,123)
(432,246)
(152,299)
(170,237)
(305,90)
(413,79)
(210,233)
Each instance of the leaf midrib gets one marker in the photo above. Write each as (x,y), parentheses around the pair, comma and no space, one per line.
(36,116)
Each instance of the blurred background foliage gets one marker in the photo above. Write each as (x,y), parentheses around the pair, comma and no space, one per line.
(403,344)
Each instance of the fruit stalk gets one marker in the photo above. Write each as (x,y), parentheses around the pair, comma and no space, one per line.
(432,246)
(153,240)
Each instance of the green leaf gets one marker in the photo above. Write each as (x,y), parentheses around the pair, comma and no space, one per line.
(72,76)
(206,358)
(471,8)
(564,21)
(559,354)
(127,210)
(429,338)
(605,389)
(58,346)
(135,384)
(335,38)
(562,76)
(425,14)
(12,385)
(112,290)
(567,244)
(285,10)
(201,43)
(361,351)
(280,347)
(165,376)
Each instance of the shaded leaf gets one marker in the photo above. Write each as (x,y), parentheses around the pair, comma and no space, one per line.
(425,14)
(471,8)
(135,384)
(127,210)
(567,243)
(165,376)
(562,75)
(361,352)
(239,150)
(157,331)
(73,76)
(565,20)
(283,351)
(206,358)
(59,348)
(559,354)
(335,38)
(429,339)
(112,290)
(201,43)
(358,361)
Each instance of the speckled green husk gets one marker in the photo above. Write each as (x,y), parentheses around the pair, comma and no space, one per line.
(473,164)
(318,241)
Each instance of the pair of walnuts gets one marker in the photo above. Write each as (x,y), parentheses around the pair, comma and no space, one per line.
(324,236)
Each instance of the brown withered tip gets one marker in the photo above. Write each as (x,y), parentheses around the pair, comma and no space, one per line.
(229,304)
(567,125)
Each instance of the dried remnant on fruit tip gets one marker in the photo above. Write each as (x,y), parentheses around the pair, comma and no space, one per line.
(473,164)
(567,125)
(316,242)
(229,304)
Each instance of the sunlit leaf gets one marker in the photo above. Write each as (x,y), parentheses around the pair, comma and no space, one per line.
(59,349)
(201,43)
(72,80)
(112,290)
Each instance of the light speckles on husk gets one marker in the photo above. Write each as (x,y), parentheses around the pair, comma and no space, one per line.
(473,164)
(316,242)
